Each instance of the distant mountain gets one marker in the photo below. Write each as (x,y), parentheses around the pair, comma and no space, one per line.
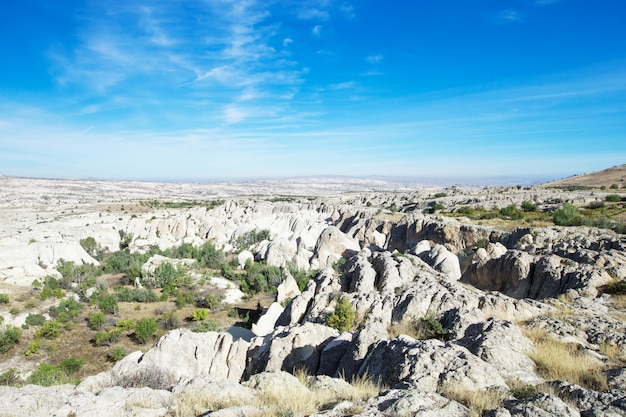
(607,178)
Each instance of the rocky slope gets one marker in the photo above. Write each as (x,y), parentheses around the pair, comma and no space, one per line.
(440,306)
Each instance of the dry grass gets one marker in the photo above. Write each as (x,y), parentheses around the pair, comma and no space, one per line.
(556,360)
(477,401)
(615,354)
(199,403)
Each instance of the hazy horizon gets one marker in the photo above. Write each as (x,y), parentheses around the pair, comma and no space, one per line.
(217,90)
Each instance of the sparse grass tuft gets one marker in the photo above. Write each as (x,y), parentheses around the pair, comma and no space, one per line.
(477,401)
(421,329)
(556,360)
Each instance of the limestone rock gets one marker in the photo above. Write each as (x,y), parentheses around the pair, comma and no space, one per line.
(331,246)
(265,324)
(429,365)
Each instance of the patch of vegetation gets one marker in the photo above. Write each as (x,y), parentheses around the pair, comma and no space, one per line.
(50,330)
(9,337)
(421,329)
(138,295)
(206,326)
(107,337)
(342,318)
(34,320)
(117,354)
(252,237)
(47,374)
(302,276)
(161,204)
(96,320)
(146,329)
(4,299)
(556,360)
(33,348)
(70,307)
(479,402)
(616,288)
(9,378)
(612,198)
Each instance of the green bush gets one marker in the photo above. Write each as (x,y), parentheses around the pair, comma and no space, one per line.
(145,329)
(50,330)
(617,288)
(90,245)
(209,256)
(117,354)
(613,198)
(33,348)
(200,315)
(4,299)
(69,306)
(108,304)
(511,212)
(9,337)
(9,378)
(107,337)
(47,375)
(342,318)
(206,326)
(96,320)
(126,324)
(430,328)
(252,237)
(71,365)
(35,319)
(528,206)
(138,295)
(170,320)
(569,215)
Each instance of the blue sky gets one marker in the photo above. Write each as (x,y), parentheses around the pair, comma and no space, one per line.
(218,89)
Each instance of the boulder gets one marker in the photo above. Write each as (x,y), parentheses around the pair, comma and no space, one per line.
(331,246)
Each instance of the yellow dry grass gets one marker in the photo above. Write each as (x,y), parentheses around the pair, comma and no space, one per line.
(477,401)
(556,360)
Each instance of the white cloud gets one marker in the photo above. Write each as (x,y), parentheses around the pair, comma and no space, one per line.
(313,13)
(317,30)
(342,86)
(375,59)
(234,114)
(347,10)
(287,42)
(510,16)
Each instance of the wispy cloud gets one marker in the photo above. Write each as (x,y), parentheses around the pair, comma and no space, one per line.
(375,59)
(313,13)
(317,30)
(510,16)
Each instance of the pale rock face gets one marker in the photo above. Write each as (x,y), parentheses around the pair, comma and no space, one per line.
(280,252)
(298,347)
(147,269)
(265,324)
(331,246)
(444,261)
(503,345)
(287,289)
(243,257)
(429,365)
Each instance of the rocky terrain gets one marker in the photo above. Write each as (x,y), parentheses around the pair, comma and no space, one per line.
(421,302)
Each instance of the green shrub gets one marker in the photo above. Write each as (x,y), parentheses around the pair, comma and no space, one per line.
(430,328)
(69,306)
(108,304)
(145,329)
(612,198)
(170,320)
(206,326)
(342,318)
(117,354)
(211,300)
(441,195)
(528,206)
(50,330)
(47,375)
(9,337)
(211,257)
(90,245)
(511,212)
(252,237)
(126,324)
(107,337)
(617,288)
(35,319)
(33,348)
(138,295)
(96,320)
(200,315)
(71,365)
(569,215)
(9,378)
(4,299)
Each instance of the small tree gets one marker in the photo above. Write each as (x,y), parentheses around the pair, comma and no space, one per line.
(567,216)
(146,329)
(96,320)
(108,304)
(342,318)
